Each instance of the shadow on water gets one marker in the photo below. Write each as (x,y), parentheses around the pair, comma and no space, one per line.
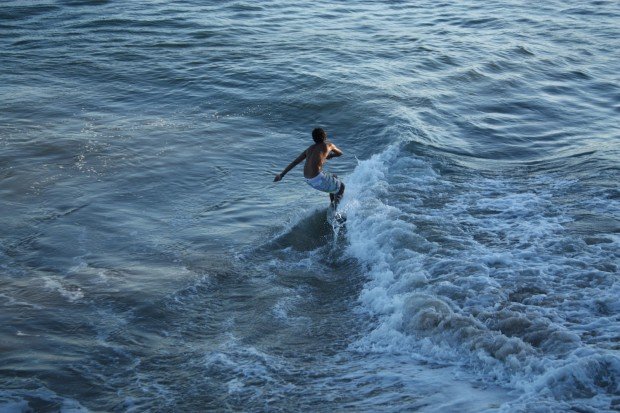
(307,234)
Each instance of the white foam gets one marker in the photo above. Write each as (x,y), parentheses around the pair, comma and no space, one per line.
(482,274)
(71,292)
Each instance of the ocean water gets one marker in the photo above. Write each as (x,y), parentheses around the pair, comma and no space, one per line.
(149,263)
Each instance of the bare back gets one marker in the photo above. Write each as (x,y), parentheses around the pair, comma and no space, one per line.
(315,158)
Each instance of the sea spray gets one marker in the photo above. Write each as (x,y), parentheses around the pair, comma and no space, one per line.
(465,280)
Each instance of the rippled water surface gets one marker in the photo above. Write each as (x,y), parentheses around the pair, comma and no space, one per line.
(148,262)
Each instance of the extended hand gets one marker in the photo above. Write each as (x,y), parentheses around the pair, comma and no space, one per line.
(277,178)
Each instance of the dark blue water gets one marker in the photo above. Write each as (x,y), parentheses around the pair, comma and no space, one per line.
(148,262)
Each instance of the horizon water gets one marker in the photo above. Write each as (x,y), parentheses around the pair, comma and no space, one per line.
(149,263)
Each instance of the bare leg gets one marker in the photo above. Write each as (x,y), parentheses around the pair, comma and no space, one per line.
(338,196)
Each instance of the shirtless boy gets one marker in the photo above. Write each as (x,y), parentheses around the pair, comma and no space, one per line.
(315,157)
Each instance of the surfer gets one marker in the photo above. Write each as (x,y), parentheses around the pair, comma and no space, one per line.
(315,157)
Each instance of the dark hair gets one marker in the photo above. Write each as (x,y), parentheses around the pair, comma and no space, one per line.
(319,135)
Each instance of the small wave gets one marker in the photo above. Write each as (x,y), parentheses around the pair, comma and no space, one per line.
(158,25)
(305,232)
(41,399)
(484,22)
(84,2)
(476,273)
(25,12)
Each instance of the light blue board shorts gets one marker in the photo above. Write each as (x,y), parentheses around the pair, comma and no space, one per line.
(325,182)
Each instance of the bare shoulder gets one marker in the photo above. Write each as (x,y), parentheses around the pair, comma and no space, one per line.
(331,146)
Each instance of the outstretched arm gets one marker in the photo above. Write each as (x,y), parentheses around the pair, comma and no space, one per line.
(291,166)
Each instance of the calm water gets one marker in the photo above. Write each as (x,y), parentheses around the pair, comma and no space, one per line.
(148,262)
